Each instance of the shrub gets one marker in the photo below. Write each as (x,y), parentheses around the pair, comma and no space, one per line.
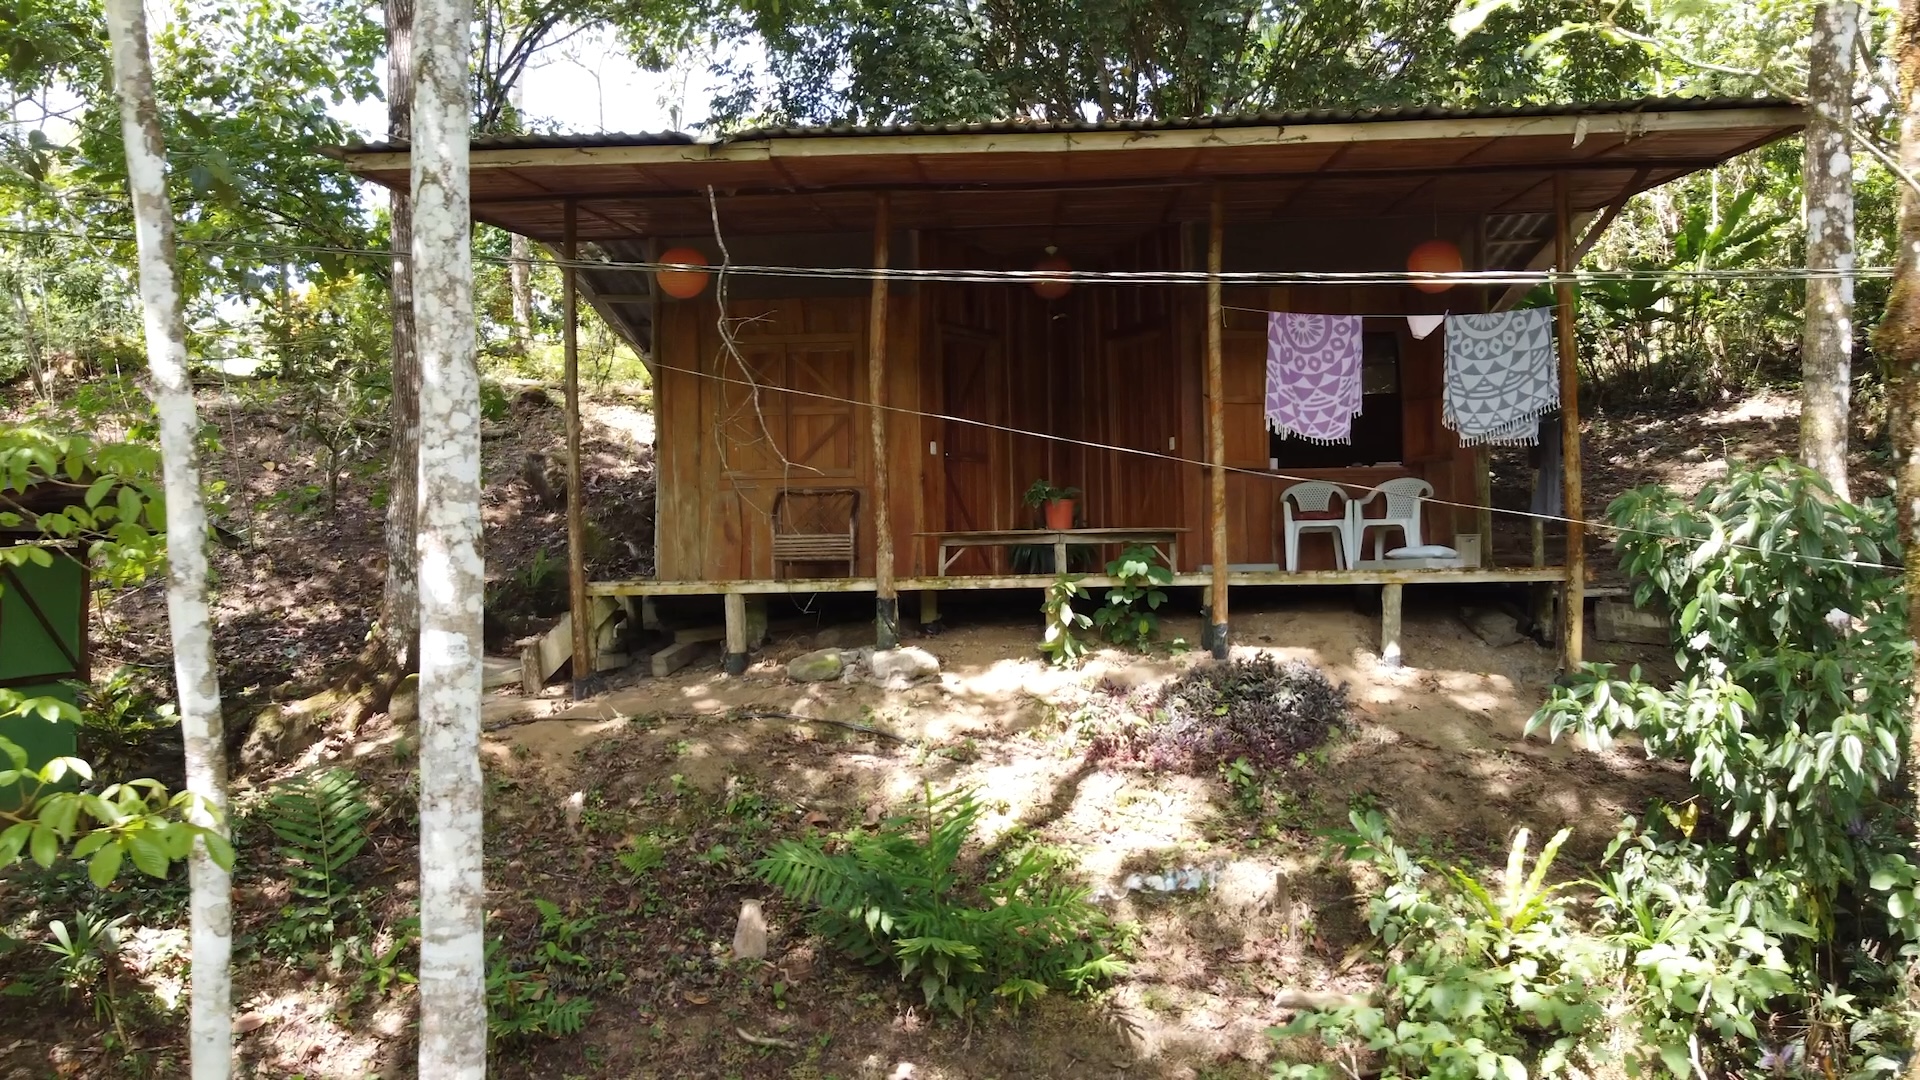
(1061,639)
(1259,709)
(1131,614)
(1796,669)
(899,896)
(320,820)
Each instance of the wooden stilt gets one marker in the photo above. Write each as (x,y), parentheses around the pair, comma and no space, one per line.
(1390,624)
(886,598)
(1573,606)
(735,662)
(1218,636)
(576,490)
(929,607)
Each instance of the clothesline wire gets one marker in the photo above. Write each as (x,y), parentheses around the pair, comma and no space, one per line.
(1259,473)
(1180,277)
(1083,277)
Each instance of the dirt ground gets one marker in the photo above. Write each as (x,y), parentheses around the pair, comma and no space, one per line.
(1436,745)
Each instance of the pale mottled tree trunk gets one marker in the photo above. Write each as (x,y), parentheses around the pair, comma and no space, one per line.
(188,619)
(520,277)
(1898,343)
(520,255)
(453,1010)
(400,607)
(1826,347)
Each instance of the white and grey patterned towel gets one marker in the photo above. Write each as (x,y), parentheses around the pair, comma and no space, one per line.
(1503,374)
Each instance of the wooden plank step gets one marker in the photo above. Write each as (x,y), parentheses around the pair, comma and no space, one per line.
(676,656)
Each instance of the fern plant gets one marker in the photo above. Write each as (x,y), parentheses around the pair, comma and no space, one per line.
(321,822)
(900,897)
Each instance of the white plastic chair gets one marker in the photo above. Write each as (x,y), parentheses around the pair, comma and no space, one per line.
(1402,496)
(1316,497)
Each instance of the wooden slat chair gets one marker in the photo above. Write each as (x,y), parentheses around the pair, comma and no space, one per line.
(816,525)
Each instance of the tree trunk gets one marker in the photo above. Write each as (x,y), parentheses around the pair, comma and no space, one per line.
(399,637)
(520,258)
(1826,348)
(188,619)
(1898,343)
(453,1008)
(520,277)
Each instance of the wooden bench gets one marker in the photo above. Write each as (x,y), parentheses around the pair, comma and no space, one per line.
(1165,542)
(807,527)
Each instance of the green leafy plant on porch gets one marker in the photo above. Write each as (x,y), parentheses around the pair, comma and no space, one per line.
(1060,636)
(901,897)
(1042,492)
(1131,614)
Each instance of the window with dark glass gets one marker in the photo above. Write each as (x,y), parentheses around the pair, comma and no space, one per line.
(1376,431)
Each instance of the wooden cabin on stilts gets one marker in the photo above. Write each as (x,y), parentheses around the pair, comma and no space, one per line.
(825,428)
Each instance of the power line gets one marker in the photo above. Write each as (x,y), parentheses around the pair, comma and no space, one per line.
(1079,277)
(1116,277)
(1241,470)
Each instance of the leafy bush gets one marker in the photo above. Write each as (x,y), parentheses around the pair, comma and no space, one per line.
(321,821)
(1130,615)
(899,896)
(1795,677)
(1479,984)
(530,997)
(1060,639)
(1259,709)
(1506,983)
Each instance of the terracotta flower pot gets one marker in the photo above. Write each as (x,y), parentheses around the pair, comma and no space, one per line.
(1060,514)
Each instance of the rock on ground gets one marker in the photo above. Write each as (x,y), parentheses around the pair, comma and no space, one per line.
(1497,628)
(820,665)
(750,935)
(899,668)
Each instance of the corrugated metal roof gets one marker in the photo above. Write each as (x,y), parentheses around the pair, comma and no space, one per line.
(1031,127)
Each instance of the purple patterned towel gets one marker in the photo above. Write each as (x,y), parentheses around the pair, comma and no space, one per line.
(1313,376)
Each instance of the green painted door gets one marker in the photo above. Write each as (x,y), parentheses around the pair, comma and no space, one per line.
(43,642)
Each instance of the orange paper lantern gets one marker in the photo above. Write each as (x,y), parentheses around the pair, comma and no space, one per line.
(1053,288)
(682,284)
(1435,257)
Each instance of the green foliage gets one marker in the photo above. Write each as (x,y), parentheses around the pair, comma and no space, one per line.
(137,821)
(1043,492)
(495,404)
(900,897)
(644,855)
(1504,981)
(102,496)
(527,998)
(1060,639)
(1130,615)
(1479,978)
(881,61)
(86,959)
(321,822)
(1795,676)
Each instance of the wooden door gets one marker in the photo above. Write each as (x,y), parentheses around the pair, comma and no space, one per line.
(970,376)
(1145,415)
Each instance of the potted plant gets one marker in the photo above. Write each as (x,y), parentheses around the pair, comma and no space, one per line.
(1055,502)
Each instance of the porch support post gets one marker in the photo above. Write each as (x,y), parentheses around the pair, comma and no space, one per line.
(1573,607)
(735,606)
(583,665)
(886,600)
(1390,597)
(1216,432)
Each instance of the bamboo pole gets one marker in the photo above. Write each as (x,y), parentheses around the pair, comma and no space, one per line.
(886,600)
(576,494)
(1217,635)
(1573,610)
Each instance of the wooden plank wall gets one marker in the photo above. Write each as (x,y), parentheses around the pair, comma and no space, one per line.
(1104,365)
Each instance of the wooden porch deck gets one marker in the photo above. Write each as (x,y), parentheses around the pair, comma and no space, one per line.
(1392,583)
